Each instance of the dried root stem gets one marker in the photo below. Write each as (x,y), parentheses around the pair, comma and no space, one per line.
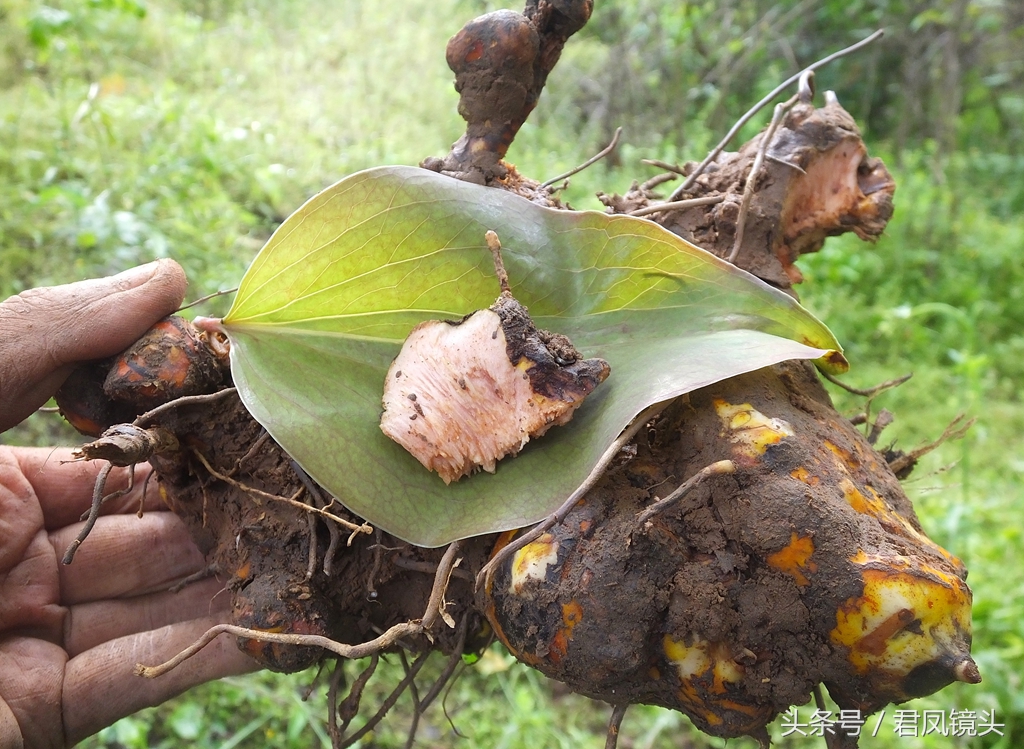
(676,205)
(956,429)
(589,162)
(126,445)
(720,468)
(614,723)
(870,392)
(93,513)
(187,400)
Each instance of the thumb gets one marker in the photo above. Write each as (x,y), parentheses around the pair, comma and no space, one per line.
(44,332)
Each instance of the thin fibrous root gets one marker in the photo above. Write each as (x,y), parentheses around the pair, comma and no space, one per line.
(376,645)
(675,169)
(956,429)
(833,740)
(411,564)
(254,448)
(414,697)
(558,515)
(94,509)
(755,168)
(655,181)
(870,392)
(884,419)
(614,723)
(348,708)
(185,400)
(688,183)
(364,528)
(208,571)
(589,162)
(721,468)
(318,501)
(676,205)
(764,102)
(388,703)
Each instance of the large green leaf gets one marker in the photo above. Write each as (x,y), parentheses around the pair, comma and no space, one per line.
(326,305)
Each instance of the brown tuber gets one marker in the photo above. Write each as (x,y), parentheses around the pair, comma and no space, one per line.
(501,61)
(173,359)
(462,395)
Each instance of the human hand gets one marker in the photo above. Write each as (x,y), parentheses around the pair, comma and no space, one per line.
(45,332)
(71,635)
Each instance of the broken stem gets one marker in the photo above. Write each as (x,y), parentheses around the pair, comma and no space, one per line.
(595,475)
(589,162)
(721,468)
(441,576)
(755,169)
(206,298)
(676,205)
(494,245)
(764,102)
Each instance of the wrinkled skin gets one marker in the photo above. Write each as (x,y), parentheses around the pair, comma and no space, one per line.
(70,635)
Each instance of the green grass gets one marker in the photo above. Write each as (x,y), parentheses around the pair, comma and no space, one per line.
(134,130)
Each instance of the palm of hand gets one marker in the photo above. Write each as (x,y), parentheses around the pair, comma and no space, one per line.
(71,635)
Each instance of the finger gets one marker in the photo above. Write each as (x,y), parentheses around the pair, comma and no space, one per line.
(126,556)
(100,686)
(45,331)
(31,672)
(89,625)
(64,487)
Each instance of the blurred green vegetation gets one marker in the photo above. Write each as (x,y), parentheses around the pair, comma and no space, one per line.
(135,129)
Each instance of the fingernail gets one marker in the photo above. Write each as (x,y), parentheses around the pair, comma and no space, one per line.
(134,277)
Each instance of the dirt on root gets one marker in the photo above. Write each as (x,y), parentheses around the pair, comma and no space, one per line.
(724,604)
(262,545)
